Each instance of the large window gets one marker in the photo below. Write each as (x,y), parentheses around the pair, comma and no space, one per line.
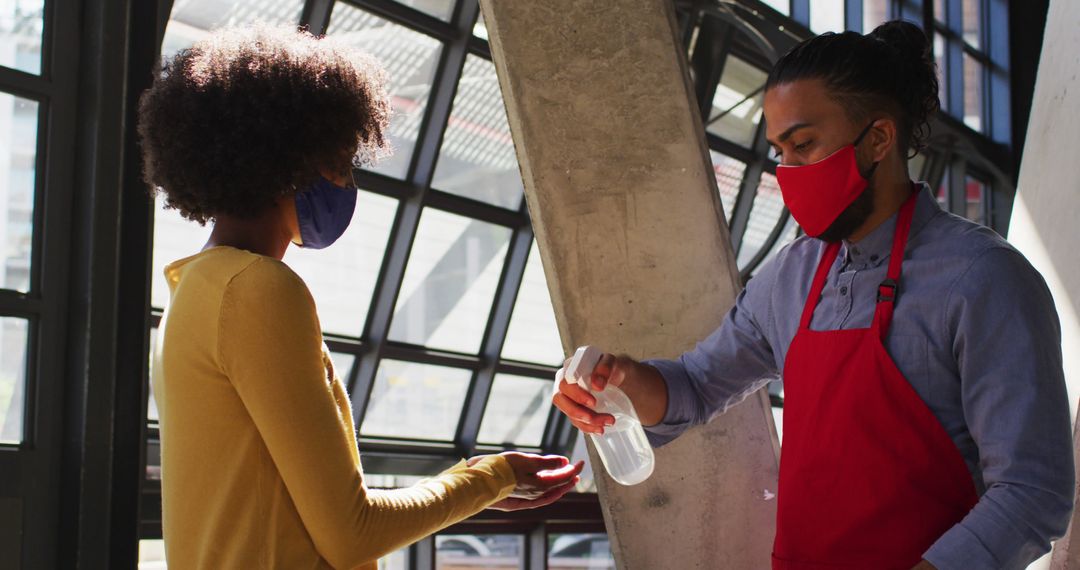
(435,304)
(22,24)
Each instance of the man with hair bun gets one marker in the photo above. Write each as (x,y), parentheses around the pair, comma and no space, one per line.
(926,420)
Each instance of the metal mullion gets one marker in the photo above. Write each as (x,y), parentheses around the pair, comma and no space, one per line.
(996,38)
(552,428)
(14,304)
(536,548)
(907,10)
(853,15)
(316,15)
(407,220)
(344,345)
(526,369)
(475,209)
(927,19)
(954,77)
(421,355)
(55,489)
(480,47)
(422,554)
(409,17)
(800,12)
(381,184)
(429,141)
(565,437)
(494,338)
(957,185)
(728,148)
(715,35)
(25,85)
(744,202)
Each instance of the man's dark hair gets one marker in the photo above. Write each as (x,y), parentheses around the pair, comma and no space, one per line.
(252,114)
(890,69)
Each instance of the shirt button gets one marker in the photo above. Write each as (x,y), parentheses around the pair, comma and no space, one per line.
(873,258)
(843,290)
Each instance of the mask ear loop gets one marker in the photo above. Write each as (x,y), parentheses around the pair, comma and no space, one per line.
(862,135)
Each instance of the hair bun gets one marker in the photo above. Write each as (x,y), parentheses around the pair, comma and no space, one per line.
(916,73)
(907,39)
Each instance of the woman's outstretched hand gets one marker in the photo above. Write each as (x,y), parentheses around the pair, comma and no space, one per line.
(541,479)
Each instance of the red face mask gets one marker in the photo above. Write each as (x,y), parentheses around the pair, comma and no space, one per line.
(817,193)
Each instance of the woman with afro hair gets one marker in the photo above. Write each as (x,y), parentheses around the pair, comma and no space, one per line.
(256,130)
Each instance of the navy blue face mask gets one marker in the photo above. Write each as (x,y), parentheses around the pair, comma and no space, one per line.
(323,212)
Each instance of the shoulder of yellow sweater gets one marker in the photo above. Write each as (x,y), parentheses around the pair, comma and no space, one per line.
(265,279)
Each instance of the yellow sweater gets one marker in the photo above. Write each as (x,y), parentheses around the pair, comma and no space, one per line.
(260,467)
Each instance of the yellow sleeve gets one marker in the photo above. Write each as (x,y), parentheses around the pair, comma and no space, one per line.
(270,347)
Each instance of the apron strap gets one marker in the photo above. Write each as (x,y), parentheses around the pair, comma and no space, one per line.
(818,285)
(890,287)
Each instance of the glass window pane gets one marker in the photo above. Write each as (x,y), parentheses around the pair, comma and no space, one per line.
(975,203)
(826,16)
(580,552)
(973,93)
(875,12)
(778,419)
(533,335)
(736,107)
(942,72)
(14,334)
(449,284)
(18,157)
(916,165)
(174,238)
(972,19)
(442,9)
(477,158)
(343,363)
(410,59)
(193,20)
(342,277)
(782,6)
(729,175)
(152,554)
(416,401)
(517,411)
(475,551)
(942,193)
(21,25)
(480,28)
(397,560)
(765,213)
(151,404)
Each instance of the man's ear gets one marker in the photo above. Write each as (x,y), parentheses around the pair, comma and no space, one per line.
(882,138)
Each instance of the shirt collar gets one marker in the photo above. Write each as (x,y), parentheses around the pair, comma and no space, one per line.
(876,247)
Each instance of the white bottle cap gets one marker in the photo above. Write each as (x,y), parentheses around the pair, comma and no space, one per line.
(582,365)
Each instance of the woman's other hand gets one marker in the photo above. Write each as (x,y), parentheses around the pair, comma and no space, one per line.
(541,479)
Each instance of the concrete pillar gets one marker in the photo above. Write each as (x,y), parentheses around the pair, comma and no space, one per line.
(1044,217)
(623,200)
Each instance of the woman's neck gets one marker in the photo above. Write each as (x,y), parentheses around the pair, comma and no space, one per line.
(264,234)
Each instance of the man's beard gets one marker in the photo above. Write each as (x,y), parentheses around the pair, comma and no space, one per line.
(852,218)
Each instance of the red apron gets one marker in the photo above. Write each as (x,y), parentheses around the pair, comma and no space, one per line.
(868,476)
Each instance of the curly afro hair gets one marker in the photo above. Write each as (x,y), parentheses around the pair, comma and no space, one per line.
(251,114)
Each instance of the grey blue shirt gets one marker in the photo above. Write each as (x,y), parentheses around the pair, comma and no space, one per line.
(976,334)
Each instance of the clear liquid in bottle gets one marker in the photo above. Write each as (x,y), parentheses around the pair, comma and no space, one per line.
(623,447)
